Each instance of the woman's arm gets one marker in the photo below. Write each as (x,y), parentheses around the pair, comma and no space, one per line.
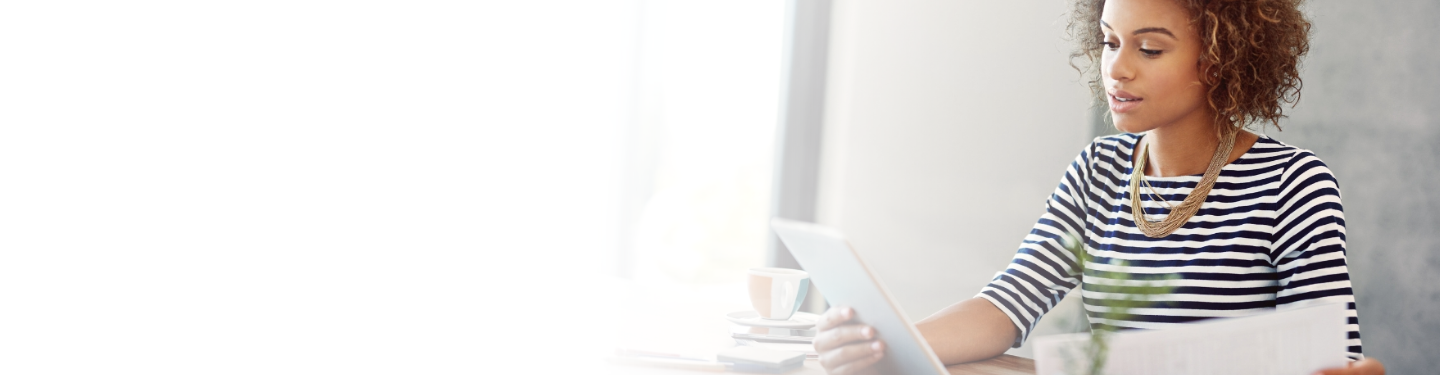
(969,330)
(1309,250)
(1308,244)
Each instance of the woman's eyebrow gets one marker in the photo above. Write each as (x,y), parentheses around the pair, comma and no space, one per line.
(1160,30)
(1155,30)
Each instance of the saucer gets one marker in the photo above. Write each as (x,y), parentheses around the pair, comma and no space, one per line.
(801,320)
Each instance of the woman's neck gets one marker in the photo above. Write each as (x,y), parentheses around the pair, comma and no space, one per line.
(1178,151)
(1185,149)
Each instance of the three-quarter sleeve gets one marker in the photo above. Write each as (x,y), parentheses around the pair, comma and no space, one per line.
(1308,246)
(1044,270)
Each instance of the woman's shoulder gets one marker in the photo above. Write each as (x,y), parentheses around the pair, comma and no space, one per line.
(1122,140)
(1301,168)
(1110,150)
(1270,147)
(1294,158)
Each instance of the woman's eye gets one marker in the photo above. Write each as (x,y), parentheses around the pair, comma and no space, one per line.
(1150,52)
(1110,45)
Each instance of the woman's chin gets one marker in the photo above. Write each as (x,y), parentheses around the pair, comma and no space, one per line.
(1130,126)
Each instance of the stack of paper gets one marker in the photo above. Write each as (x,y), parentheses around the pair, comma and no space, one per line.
(1299,341)
(762,359)
(792,340)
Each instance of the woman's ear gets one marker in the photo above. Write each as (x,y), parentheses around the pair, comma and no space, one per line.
(1209,76)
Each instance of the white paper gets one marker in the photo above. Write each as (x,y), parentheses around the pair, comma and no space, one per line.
(808,349)
(1299,342)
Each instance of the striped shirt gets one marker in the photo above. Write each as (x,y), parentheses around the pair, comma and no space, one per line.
(1270,235)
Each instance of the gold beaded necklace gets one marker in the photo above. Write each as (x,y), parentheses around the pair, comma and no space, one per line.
(1181,213)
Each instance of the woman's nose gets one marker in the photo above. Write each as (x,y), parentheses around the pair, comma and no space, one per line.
(1117,66)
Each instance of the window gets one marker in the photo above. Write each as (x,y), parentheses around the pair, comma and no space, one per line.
(709,81)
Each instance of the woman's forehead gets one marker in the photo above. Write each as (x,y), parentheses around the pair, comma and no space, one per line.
(1128,16)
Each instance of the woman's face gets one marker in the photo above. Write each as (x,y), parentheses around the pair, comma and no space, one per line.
(1149,65)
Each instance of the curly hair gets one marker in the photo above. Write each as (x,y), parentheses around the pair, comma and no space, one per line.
(1251,51)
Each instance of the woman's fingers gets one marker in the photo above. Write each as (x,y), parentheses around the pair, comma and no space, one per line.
(834,317)
(1367,366)
(838,336)
(846,348)
(852,357)
(859,366)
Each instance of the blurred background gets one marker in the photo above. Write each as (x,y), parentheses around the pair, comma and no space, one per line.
(385,186)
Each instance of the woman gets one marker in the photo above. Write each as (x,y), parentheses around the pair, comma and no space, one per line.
(1247,223)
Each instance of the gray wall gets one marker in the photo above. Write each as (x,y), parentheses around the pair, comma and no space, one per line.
(1371,110)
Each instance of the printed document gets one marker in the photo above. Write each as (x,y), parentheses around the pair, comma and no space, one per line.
(1299,341)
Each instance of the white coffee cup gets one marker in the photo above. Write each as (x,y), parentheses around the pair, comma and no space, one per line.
(776,293)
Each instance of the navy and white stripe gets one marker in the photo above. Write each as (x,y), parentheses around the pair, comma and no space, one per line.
(1271,235)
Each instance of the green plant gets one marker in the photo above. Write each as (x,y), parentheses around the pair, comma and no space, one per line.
(1137,290)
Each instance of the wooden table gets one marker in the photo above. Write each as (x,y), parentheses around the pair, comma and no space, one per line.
(692,317)
(1003,365)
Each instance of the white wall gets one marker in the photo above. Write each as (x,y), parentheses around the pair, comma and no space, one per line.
(949,123)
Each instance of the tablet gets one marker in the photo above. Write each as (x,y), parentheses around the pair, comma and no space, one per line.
(845,280)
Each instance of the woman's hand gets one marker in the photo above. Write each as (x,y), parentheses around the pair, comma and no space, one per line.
(846,347)
(1367,366)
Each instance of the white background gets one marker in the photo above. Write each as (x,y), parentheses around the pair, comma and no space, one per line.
(303,186)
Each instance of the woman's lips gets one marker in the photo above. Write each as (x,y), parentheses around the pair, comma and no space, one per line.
(1121,102)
